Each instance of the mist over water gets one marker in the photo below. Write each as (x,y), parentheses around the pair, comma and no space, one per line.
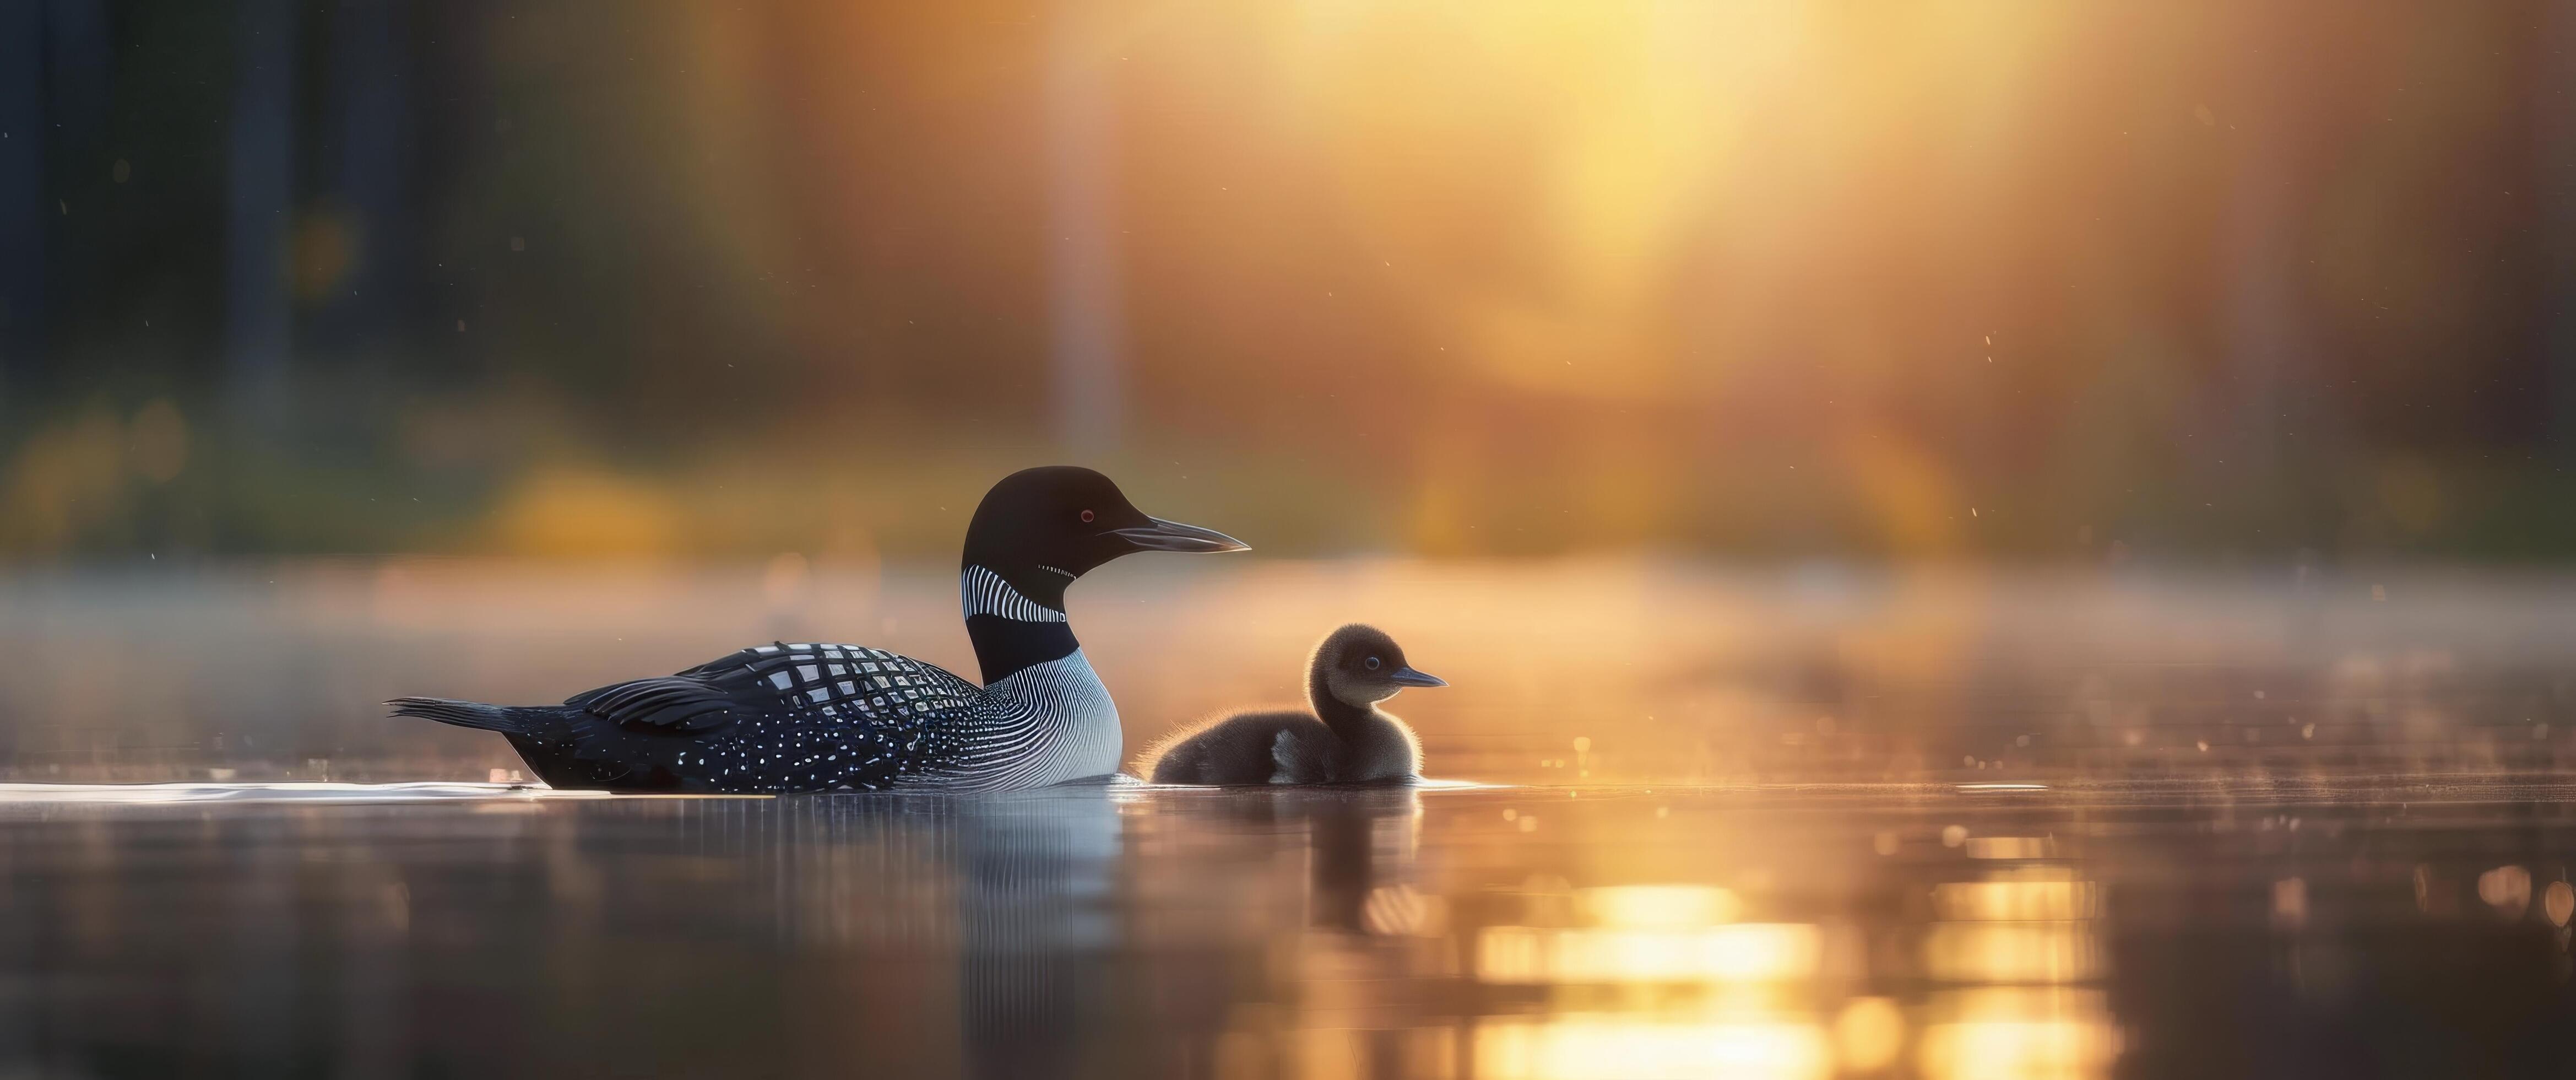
(1603,670)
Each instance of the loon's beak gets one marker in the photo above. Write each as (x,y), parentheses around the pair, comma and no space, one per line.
(1408,677)
(1173,536)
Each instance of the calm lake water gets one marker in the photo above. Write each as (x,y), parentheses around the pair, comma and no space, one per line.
(1801,822)
(2387,928)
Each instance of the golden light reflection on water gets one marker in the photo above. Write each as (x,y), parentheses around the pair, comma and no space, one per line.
(1673,936)
(2019,1032)
(1646,935)
(1656,979)
(2030,952)
(2014,901)
(1580,1047)
(2020,934)
(1658,905)
(2007,847)
(1741,953)
(1651,934)
(1869,1034)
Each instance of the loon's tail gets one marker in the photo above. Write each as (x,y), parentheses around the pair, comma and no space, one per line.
(468,714)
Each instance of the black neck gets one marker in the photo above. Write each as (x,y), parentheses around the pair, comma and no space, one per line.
(1004,646)
(1337,714)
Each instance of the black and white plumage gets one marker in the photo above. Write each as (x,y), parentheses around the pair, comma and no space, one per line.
(819,717)
(1347,739)
(985,593)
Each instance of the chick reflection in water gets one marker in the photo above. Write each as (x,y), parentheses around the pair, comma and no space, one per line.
(1343,942)
(1347,739)
(1362,846)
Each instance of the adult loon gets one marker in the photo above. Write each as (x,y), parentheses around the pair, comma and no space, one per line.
(814,717)
(1346,740)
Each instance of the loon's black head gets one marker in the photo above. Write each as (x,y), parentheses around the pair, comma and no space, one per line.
(1041,528)
(1359,665)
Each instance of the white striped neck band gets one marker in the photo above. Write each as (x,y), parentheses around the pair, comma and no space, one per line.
(985,593)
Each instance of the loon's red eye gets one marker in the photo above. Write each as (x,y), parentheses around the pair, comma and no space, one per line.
(1086,517)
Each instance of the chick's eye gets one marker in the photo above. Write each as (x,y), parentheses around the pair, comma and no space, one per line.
(1371,662)
(1086,517)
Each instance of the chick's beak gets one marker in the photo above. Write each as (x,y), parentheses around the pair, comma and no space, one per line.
(1409,677)
(1164,535)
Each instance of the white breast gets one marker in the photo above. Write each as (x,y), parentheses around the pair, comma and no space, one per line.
(1044,724)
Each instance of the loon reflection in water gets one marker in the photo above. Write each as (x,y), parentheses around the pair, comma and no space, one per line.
(1034,890)
(819,717)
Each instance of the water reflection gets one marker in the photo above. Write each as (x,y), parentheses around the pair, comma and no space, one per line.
(2018,1032)
(1324,882)
(1713,993)
(1263,934)
(1621,955)
(2031,930)
(2036,952)
(1036,906)
(1625,1048)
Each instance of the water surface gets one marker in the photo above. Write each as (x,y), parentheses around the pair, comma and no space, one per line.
(1808,822)
(2390,927)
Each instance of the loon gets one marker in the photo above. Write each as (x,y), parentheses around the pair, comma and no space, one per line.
(815,717)
(1346,740)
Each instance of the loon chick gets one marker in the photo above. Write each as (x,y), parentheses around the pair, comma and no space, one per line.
(810,717)
(1345,740)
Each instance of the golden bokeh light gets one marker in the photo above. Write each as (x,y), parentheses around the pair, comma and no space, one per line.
(1595,1047)
(2020,1034)
(1657,906)
(2027,952)
(1737,953)
(2507,889)
(2016,900)
(2008,847)
(1869,1033)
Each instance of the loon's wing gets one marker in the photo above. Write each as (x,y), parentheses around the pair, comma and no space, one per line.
(679,704)
(846,682)
(703,698)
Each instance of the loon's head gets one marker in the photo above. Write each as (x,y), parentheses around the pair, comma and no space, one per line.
(1359,665)
(1041,528)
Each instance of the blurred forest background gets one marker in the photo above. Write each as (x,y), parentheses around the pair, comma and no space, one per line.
(2189,280)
